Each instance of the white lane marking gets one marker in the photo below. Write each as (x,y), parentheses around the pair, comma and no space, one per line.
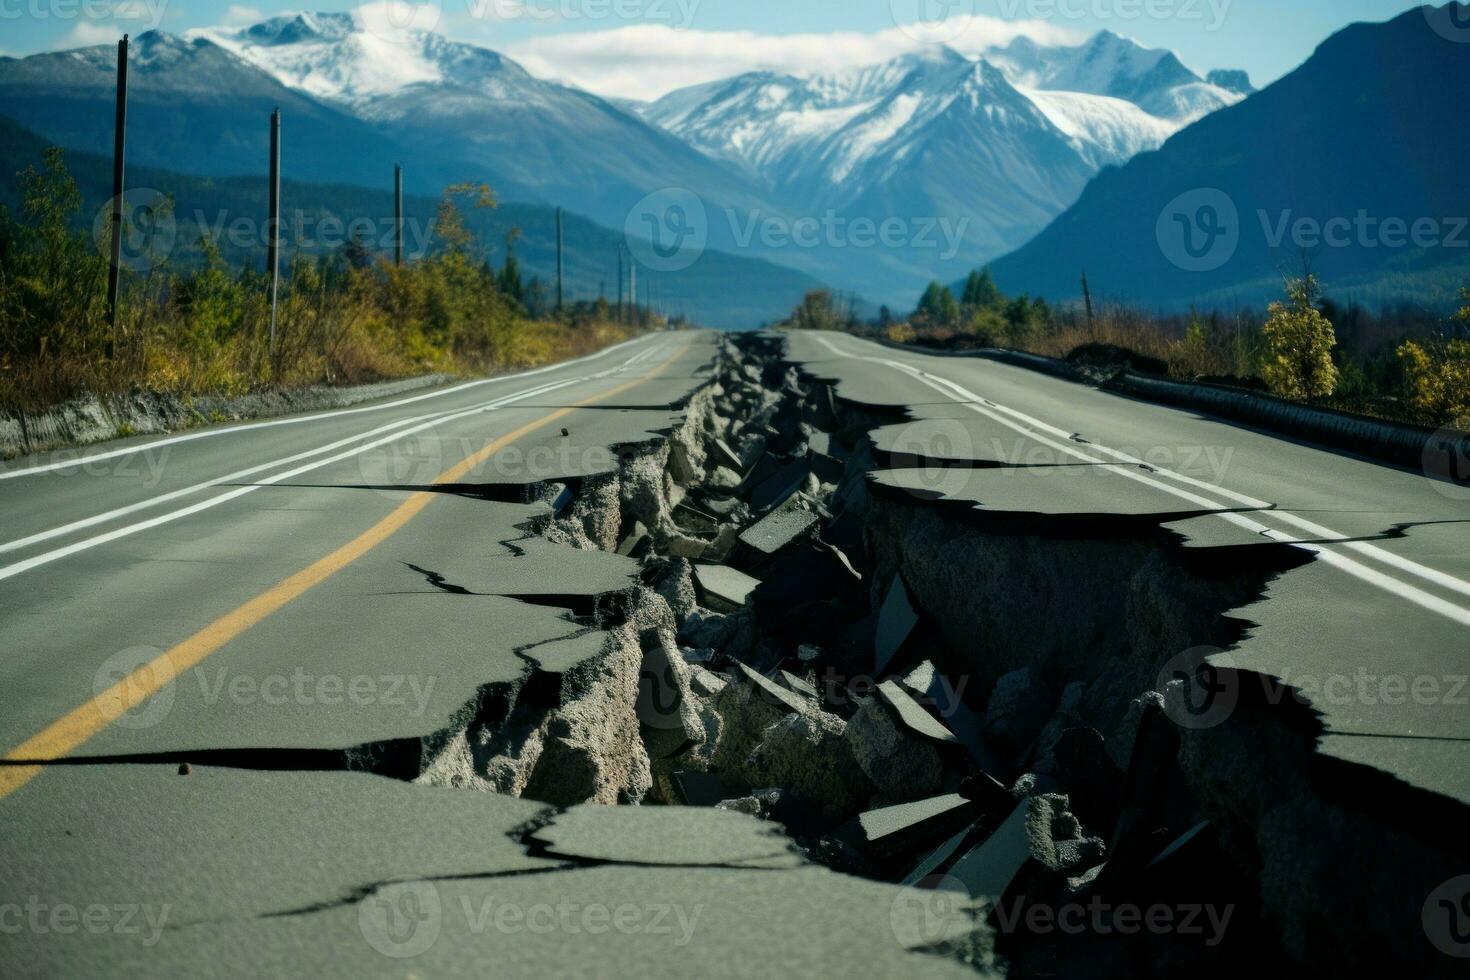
(115,513)
(437,418)
(1387,583)
(1442,579)
(11,474)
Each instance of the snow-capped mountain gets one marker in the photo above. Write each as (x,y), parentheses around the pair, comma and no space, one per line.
(995,147)
(1365,120)
(1109,97)
(1110,65)
(449,99)
(333,56)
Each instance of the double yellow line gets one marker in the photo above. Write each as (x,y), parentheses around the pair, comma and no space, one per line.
(77,726)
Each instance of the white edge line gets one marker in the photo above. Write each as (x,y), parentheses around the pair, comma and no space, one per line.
(11,474)
(9,571)
(1373,577)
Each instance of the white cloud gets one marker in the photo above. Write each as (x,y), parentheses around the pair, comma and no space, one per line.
(648,60)
(86,34)
(237,15)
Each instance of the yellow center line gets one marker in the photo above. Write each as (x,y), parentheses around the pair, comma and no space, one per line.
(63,736)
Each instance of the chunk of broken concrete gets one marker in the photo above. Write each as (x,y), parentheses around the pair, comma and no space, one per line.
(706,682)
(988,869)
(636,538)
(724,478)
(806,754)
(673,578)
(728,457)
(787,523)
(896,620)
(798,685)
(1017,711)
(913,715)
(683,546)
(935,692)
(789,698)
(908,827)
(725,541)
(903,765)
(724,588)
(1056,838)
(780,484)
(747,707)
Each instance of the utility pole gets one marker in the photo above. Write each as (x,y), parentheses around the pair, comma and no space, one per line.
(633,287)
(273,243)
(1087,299)
(119,140)
(620,282)
(560,295)
(398,214)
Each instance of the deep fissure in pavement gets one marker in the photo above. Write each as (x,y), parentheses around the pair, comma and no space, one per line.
(920,692)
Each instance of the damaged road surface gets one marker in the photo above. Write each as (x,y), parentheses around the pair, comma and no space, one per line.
(748,655)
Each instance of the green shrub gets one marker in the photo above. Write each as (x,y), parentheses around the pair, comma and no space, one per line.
(1297,359)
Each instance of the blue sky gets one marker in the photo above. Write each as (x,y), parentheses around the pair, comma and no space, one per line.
(641,48)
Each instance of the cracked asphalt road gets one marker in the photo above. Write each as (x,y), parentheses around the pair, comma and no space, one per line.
(220,641)
(1383,606)
(206,629)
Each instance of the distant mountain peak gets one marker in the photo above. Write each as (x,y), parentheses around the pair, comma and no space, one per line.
(1231,80)
(302,26)
(335,56)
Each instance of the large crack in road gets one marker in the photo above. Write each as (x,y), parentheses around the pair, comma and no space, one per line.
(801,661)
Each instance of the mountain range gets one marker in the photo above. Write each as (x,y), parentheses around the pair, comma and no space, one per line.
(994,147)
(1357,162)
(721,290)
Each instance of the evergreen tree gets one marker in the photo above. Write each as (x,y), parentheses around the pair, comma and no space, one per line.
(980,291)
(938,306)
(509,281)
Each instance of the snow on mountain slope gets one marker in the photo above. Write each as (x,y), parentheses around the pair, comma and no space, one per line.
(1107,64)
(1105,131)
(536,139)
(1109,98)
(333,56)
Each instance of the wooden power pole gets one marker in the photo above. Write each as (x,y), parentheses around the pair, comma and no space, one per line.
(1087,299)
(560,294)
(273,242)
(119,141)
(398,214)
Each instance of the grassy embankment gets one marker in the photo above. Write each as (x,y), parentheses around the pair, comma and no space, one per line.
(344,318)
